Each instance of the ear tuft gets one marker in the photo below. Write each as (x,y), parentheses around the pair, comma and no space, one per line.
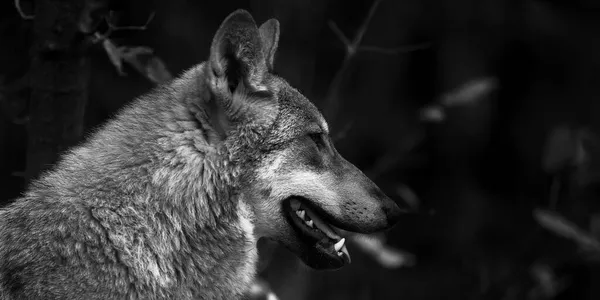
(269,34)
(236,51)
(231,30)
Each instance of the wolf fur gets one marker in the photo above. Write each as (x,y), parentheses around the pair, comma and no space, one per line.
(168,199)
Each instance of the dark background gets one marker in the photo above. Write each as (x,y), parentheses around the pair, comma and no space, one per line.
(479,172)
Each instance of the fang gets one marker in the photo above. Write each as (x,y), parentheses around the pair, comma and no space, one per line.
(338,246)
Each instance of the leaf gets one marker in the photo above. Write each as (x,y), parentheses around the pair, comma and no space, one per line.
(548,285)
(408,195)
(156,71)
(470,92)
(146,63)
(388,257)
(563,227)
(433,113)
(114,54)
(565,147)
(260,289)
(142,59)
(574,149)
(560,149)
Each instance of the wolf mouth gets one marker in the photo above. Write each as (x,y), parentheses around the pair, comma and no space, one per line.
(315,231)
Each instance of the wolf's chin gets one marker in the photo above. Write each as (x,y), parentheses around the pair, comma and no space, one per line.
(317,243)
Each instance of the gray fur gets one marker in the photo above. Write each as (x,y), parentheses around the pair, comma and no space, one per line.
(269,33)
(142,210)
(168,199)
(146,208)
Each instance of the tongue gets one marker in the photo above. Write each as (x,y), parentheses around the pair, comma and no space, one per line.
(321,224)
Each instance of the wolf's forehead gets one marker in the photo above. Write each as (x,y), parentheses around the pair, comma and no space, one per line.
(297,113)
(301,119)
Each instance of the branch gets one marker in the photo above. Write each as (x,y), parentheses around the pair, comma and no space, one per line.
(396,50)
(21,12)
(98,37)
(363,28)
(90,16)
(338,32)
(113,27)
(352,47)
(332,99)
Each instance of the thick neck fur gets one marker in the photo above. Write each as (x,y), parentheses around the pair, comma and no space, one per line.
(165,195)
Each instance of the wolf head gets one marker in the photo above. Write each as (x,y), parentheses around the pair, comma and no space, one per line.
(299,189)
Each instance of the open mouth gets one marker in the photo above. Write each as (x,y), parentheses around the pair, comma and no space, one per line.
(316,232)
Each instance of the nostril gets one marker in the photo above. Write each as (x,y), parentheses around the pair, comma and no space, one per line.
(393,213)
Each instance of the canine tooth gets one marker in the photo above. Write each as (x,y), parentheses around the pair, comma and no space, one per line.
(309,223)
(338,246)
(345,252)
(301,213)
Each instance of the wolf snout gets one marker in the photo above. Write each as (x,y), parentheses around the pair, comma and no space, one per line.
(390,209)
(366,209)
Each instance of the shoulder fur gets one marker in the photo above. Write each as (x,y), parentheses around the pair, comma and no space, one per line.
(147,204)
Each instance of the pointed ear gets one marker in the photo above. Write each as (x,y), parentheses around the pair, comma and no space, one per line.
(269,34)
(237,53)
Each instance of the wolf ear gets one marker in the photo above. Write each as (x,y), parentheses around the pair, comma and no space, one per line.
(236,53)
(269,34)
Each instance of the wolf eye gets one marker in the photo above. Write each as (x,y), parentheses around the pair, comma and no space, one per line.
(262,94)
(317,138)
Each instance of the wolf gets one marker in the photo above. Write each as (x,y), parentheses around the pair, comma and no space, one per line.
(168,199)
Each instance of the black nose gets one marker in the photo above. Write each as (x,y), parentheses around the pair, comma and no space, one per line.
(392,212)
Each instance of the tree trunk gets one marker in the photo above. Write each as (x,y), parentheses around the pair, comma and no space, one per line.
(58,77)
